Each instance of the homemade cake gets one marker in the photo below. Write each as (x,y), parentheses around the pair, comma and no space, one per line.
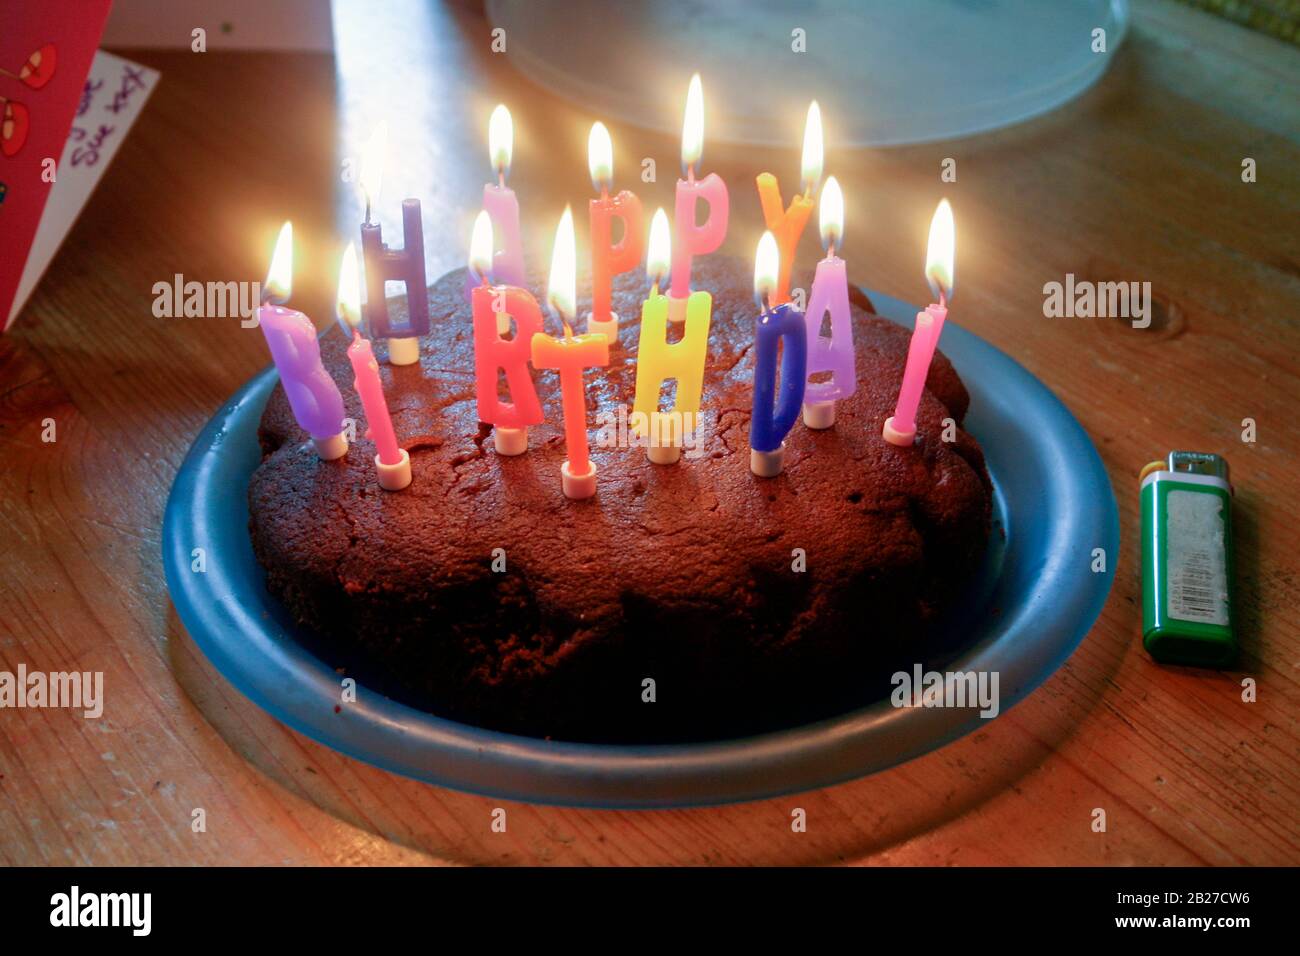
(748,603)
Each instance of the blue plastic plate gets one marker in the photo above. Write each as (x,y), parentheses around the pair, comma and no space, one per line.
(1052,500)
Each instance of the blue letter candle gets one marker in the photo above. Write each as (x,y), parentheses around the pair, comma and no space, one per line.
(773,416)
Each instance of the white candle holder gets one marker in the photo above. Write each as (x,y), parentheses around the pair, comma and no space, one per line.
(767,464)
(664,454)
(895,436)
(819,415)
(510,441)
(403,351)
(606,327)
(331,448)
(394,477)
(677,308)
(578,486)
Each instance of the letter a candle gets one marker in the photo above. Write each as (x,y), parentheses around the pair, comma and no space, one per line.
(570,355)
(830,293)
(313,396)
(787,226)
(392,463)
(692,240)
(393,265)
(900,428)
(494,353)
(657,360)
(772,418)
(607,259)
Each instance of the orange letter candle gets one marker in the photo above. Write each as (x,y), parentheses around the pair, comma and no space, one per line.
(570,355)
(787,226)
(657,360)
(494,354)
(608,259)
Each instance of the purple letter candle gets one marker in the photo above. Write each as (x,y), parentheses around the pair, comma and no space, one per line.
(404,265)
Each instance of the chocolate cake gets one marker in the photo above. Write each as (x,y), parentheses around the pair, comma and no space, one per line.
(749,603)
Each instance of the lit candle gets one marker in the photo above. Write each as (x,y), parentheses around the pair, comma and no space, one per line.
(778,327)
(830,293)
(692,240)
(787,225)
(385,265)
(570,355)
(607,259)
(495,354)
(313,396)
(900,428)
(501,204)
(657,360)
(392,463)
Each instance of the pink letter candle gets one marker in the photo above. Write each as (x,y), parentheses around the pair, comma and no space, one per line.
(607,259)
(313,396)
(694,239)
(501,204)
(392,463)
(900,428)
(830,293)
(385,265)
(494,354)
(570,355)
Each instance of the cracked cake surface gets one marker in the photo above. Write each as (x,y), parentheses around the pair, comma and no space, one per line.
(683,575)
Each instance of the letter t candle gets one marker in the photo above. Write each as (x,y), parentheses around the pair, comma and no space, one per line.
(392,463)
(900,428)
(385,265)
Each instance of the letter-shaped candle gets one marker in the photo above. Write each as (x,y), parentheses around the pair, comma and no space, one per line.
(501,204)
(607,259)
(657,360)
(570,355)
(313,396)
(691,239)
(385,265)
(900,428)
(772,417)
(392,463)
(830,293)
(493,353)
(788,225)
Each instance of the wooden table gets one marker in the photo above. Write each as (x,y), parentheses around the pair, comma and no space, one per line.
(1139,179)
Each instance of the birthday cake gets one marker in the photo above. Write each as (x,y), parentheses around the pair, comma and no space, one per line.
(683,601)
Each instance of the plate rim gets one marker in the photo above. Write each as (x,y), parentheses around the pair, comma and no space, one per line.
(413,743)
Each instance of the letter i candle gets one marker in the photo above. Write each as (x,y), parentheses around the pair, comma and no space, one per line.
(494,354)
(657,360)
(607,259)
(773,416)
(507,265)
(385,265)
(830,293)
(291,337)
(392,462)
(900,428)
(787,226)
(690,239)
(570,355)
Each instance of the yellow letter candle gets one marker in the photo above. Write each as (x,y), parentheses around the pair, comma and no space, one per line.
(787,225)
(658,361)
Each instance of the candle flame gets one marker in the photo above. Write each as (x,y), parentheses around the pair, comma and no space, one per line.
(561,289)
(693,125)
(347,305)
(501,140)
(831,213)
(661,250)
(767,263)
(372,164)
(600,158)
(480,246)
(813,150)
(939,253)
(279,277)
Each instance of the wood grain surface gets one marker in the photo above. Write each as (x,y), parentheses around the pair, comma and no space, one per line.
(1139,179)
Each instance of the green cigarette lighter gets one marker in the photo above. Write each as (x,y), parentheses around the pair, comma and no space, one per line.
(1187,560)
